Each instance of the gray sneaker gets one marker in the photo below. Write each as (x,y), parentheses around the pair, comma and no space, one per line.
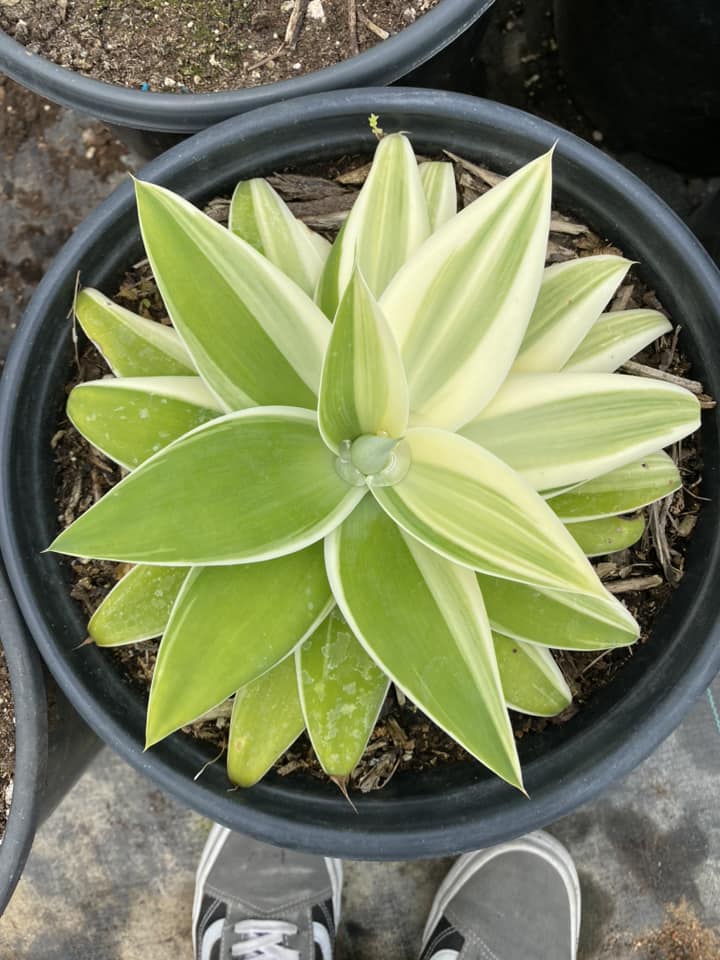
(517,901)
(265,903)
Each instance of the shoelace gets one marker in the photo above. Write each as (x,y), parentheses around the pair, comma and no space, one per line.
(263,940)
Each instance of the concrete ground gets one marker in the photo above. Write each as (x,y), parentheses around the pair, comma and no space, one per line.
(111,873)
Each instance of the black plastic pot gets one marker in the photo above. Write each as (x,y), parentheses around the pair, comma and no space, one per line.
(646,72)
(439,811)
(52,744)
(705,223)
(437,50)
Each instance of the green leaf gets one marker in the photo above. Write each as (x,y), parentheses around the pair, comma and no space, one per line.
(531,680)
(615,338)
(386,225)
(249,486)
(422,620)
(438,182)
(132,345)
(557,429)
(254,336)
(607,535)
(567,621)
(621,491)
(228,627)
(341,691)
(266,720)
(138,608)
(130,419)
(363,388)
(262,218)
(460,306)
(572,296)
(463,502)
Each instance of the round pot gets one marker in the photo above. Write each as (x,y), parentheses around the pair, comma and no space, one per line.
(152,122)
(443,810)
(646,73)
(52,744)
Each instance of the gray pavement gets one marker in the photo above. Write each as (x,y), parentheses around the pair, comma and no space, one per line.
(111,873)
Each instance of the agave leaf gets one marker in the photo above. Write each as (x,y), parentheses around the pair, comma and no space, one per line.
(422,620)
(386,225)
(616,337)
(460,306)
(262,218)
(531,680)
(266,720)
(248,486)
(228,627)
(557,429)
(341,692)
(132,345)
(463,502)
(606,535)
(138,608)
(554,618)
(621,491)
(130,419)
(571,298)
(363,388)
(254,336)
(438,181)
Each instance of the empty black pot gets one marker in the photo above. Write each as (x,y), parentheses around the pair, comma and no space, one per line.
(646,73)
(442,810)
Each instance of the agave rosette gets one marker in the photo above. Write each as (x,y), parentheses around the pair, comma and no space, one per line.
(382,460)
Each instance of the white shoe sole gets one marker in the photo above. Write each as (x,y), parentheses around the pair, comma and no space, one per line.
(211,851)
(541,844)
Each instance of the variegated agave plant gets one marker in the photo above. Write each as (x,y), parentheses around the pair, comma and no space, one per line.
(385,460)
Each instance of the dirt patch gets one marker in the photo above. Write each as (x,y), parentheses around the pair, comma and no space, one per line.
(193,46)
(645,575)
(54,167)
(7,743)
(681,937)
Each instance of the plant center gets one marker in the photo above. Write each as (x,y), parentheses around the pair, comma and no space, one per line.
(375,460)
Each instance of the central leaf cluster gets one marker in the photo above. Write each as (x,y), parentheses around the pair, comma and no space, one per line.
(385,460)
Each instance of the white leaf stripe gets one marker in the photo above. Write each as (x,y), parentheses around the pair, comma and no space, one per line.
(131,344)
(254,336)
(370,568)
(261,217)
(553,618)
(438,181)
(363,388)
(621,491)
(387,223)
(547,428)
(130,418)
(459,600)
(464,503)
(571,298)
(199,475)
(532,681)
(460,306)
(616,337)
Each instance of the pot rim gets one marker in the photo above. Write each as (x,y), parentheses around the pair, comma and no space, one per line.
(301,816)
(31,740)
(185,114)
